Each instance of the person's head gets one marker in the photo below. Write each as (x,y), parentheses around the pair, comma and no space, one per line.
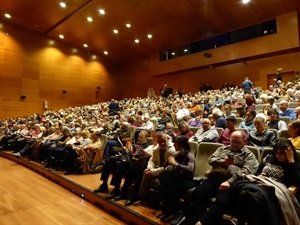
(162,140)
(236,141)
(230,122)
(283,105)
(181,144)
(96,135)
(227,109)
(85,134)
(294,128)
(297,111)
(206,124)
(282,145)
(183,127)
(216,113)
(260,122)
(250,115)
(272,114)
(142,137)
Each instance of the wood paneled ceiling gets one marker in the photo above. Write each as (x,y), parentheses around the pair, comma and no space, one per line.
(172,23)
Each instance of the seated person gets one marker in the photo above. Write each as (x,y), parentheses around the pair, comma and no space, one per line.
(219,118)
(206,134)
(294,131)
(155,166)
(115,138)
(261,136)
(135,172)
(184,130)
(224,137)
(176,179)
(248,122)
(260,198)
(228,163)
(285,111)
(119,168)
(274,122)
(196,121)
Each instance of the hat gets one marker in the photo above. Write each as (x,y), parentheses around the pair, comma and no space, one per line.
(231,118)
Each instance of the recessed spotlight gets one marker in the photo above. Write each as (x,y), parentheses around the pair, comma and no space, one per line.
(51,42)
(185,50)
(105,52)
(128,25)
(102,11)
(94,57)
(149,36)
(137,41)
(61,36)
(116,31)
(173,53)
(63,4)
(245,1)
(85,45)
(90,19)
(7,15)
(74,50)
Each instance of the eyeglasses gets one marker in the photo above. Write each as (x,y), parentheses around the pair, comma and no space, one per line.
(236,141)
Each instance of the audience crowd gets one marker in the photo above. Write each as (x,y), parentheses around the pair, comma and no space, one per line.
(148,142)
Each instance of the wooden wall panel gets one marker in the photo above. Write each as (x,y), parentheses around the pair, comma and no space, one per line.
(31,66)
(287,26)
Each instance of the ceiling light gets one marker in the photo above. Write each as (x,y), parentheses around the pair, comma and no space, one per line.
(128,25)
(102,11)
(7,15)
(245,1)
(149,36)
(61,36)
(85,45)
(116,31)
(185,50)
(105,52)
(173,53)
(90,19)
(137,41)
(63,5)
(51,42)
(94,57)
(74,50)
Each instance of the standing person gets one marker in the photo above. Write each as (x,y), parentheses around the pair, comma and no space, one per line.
(113,107)
(247,85)
(228,164)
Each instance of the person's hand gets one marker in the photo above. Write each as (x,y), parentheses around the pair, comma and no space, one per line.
(148,172)
(224,186)
(228,162)
(290,155)
(171,161)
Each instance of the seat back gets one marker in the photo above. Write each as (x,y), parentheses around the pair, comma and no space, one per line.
(255,150)
(194,147)
(174,119)
(219,129)
(205,150)
(275,133)
(194,129)
(245,130)
(154,121)
(238,121)
(265,152)
(286,119)
(284,134)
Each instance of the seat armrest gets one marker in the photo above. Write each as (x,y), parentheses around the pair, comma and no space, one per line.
(294,190)
(207,173)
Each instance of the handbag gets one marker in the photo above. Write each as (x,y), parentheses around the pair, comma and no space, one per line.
(121,157)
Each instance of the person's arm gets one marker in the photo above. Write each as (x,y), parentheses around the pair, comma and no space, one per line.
(190,167)
(249,166)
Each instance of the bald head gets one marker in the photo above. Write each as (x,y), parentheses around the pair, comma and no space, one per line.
(236,141)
